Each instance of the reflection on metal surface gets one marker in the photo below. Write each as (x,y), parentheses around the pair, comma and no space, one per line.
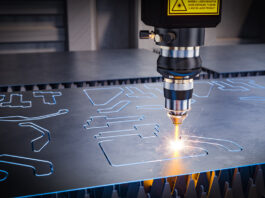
(96,93)
(16,101)
(48,97)
(40,142)
(27,119)
(115,108)
(39,167)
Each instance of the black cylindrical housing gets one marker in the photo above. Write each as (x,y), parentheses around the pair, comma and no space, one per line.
(178,95)
(184,37)
(155,13)
(167,66)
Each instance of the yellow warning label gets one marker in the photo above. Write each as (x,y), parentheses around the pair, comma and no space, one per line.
(193,7)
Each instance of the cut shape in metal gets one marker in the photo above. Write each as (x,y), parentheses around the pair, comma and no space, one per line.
(138,93)
(3,175)
(27,119)
(116,107)
(95,94)
(40,142)
(39,167)
(104,121)
(135,150)
(253,98)
(48,97)
(16,101)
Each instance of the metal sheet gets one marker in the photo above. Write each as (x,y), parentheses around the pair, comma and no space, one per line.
(234,58)
(82,138)
(65,67)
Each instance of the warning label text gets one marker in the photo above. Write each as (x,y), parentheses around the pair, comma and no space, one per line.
(193,7)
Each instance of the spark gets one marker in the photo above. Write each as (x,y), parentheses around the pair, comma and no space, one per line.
(177,145)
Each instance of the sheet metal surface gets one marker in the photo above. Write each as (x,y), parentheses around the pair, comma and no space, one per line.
(78,138)
(64,67)
(234,58)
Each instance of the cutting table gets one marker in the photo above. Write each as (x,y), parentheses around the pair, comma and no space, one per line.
(113,141)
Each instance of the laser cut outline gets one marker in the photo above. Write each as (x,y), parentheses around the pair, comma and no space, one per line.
(47,92)
(151,86)
(209,92)
(252,98)
(150,107)
(215,144)
(131,94)
(5,177)
(114,118)
(150,161)
(222,86)
(108,110)
(44,133)
(156,128)
(108,88)
(185,138)
(27,119)
(21,101)
(26,165)
(250,83)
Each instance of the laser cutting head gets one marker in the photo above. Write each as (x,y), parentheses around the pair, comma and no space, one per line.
(178,93)
(179,33)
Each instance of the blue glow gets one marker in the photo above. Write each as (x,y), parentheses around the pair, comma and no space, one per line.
(119,106)
(5,175)
(108,101)
(44,94)
(253,98)
(150,107)
(23,104)
(250,83)
(135,129)
(44,134)
(157,87)
(223,86)
(132,181)
(112,120)
(27,165)
(23,118)
(135,92)
(207,94)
